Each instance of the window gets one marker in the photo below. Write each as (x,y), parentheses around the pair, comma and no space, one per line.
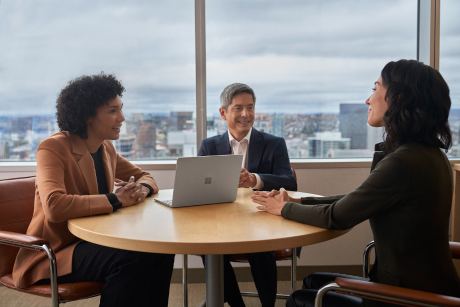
(312,65)
(149,45)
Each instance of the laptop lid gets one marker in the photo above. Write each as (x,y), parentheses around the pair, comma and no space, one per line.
(206,180)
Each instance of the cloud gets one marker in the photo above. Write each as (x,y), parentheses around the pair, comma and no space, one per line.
(306,55)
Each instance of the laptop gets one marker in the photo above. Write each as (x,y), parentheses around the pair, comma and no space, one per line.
(205,180)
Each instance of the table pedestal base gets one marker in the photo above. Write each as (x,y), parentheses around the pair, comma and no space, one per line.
(214,280)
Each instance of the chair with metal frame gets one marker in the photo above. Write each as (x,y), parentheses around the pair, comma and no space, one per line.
(16,209)
(386,293)
(283,254)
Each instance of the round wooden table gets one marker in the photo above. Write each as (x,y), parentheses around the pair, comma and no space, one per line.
(213,230)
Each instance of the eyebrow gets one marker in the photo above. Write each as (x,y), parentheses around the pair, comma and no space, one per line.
(240,105)
(115,106)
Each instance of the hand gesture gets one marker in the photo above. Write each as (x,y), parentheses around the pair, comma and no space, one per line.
(130,193)
(247,179)
(272,202)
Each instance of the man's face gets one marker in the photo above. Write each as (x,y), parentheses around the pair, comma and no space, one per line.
(239,115)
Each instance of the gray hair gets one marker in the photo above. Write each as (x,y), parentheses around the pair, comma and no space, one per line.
(232,90)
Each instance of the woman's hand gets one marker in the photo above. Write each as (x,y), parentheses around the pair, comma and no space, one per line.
(272,202)
(130,193)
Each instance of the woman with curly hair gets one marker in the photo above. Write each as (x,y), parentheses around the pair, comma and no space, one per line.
(407,197)
(77,169)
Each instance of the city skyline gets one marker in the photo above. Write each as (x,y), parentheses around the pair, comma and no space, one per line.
(147,136)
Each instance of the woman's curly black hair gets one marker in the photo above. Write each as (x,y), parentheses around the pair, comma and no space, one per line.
(81,97)
(418,105)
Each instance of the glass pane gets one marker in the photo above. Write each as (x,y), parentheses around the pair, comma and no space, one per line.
(449,65)
(149,45)
(312,65)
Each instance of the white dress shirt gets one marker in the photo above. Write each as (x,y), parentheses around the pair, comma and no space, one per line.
(241,148)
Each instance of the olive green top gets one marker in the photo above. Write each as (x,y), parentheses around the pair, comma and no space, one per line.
(407,199)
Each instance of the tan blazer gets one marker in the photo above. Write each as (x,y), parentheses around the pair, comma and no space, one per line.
(66,188)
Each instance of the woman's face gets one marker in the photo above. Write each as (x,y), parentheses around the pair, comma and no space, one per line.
(107,122)
(377,105)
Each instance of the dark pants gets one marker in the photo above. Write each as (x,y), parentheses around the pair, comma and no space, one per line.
(263,269)
(130,278)
(311,284)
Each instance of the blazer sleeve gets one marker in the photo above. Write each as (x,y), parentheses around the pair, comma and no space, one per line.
(281,176)
(125,169)
(53,160)
(386,186)
(204,151)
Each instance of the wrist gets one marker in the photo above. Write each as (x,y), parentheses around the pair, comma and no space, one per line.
(295,200)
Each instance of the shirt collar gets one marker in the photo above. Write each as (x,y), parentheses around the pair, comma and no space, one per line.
(247,137)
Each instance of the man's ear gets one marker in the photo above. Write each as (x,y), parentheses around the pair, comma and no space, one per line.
(223,113)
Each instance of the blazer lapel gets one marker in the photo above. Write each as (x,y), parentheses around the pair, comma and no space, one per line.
(85,162)
(256,148)
(223,146)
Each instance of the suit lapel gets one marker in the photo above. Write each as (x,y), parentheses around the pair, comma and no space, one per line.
(223,146)
(256,148)
(85,162)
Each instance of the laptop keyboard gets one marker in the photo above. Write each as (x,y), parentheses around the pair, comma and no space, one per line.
(166,202)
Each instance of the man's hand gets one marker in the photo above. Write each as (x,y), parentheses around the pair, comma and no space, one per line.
(272,204)
(247,179)
(130,193)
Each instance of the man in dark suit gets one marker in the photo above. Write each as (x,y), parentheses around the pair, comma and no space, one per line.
(265,167)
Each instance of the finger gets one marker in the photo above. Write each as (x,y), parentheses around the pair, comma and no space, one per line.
(131,184)
(261,193)
(137,190)
(142,197)
(259,201)
(262,208)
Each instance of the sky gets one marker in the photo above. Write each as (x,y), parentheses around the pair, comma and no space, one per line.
(299,56)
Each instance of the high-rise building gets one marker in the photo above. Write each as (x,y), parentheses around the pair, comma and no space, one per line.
(146,139)
(277,126)
(353,124)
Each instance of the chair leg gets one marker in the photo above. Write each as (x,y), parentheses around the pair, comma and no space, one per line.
(184,279)
(53,275)
(294,270)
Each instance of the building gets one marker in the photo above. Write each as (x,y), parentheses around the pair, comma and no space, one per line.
(179,120)
(277,125)
(353,124)
(324,144)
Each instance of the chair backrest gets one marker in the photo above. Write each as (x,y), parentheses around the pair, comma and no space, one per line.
(16,209)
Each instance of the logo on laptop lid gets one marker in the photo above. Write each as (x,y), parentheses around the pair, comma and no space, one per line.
(207,180)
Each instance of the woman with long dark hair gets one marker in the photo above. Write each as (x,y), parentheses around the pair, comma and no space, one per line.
(407,197)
